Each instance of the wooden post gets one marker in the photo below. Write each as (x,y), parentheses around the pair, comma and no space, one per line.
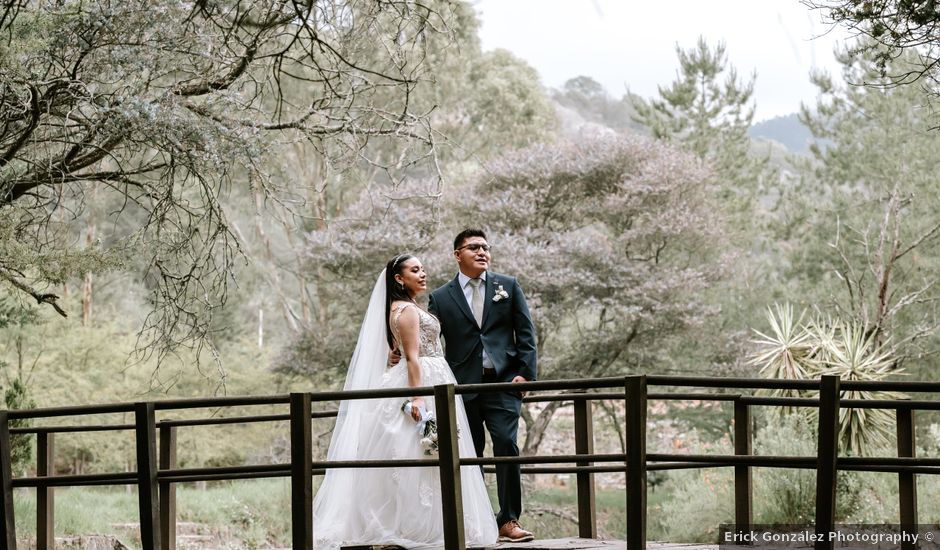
(148,493)
(907,483)
(827,457)
(743,483)
(7,519)
(45,496)
(636,462)
(168,489)
(449,456)
(584,444)
(301,472)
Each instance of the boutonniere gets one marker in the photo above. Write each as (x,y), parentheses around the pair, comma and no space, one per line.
(500,294)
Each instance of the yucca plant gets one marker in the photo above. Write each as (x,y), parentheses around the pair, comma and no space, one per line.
(853,355)
(797,351)
(787,353)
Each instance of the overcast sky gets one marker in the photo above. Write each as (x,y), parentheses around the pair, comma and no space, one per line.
(631,43)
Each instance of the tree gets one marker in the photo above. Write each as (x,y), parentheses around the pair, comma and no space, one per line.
(480,104)
(589,99)
(707,111)
(889,29)
(167,106)
(707,115)
(483,104)
(863,234)
(346,256)
(613,240)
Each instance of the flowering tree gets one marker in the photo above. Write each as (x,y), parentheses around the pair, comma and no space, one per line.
(344,258)
(612,238)
(163,106)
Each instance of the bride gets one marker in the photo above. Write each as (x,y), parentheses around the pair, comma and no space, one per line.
(395,506)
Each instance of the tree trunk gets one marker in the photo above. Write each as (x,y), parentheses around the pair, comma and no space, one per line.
(87,286)
(535,430)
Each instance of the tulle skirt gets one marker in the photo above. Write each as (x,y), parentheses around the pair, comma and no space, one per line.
(400,506)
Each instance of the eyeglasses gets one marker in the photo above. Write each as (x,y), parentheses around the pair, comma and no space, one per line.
(474,247)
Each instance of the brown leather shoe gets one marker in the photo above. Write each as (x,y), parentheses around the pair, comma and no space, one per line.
(511,531)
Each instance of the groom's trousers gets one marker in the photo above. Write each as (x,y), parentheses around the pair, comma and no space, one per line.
(500,413)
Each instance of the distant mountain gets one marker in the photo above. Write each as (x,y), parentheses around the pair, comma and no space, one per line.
(785,130)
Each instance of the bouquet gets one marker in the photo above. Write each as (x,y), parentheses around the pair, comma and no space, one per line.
(426,428)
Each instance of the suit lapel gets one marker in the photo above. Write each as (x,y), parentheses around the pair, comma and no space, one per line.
(457,294)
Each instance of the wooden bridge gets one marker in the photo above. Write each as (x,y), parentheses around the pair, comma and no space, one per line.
(157,471)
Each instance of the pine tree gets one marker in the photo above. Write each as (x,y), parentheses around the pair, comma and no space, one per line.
(707,111)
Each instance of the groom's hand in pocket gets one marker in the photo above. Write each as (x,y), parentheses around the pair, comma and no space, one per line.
(394,356)
(521,379)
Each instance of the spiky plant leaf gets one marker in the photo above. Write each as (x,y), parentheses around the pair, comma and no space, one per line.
(853,355)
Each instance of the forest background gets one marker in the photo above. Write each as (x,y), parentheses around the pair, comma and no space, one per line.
(197,200)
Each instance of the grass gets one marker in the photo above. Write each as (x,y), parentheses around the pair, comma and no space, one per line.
(248,514)
(552,512)
(256,514)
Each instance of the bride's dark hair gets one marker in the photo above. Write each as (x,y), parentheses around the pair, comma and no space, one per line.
(394,291)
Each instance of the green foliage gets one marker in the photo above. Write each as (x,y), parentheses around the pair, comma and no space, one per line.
(17,397)
(892,29)
(788,495)
(14,316)
(785,495)
(704,498)
(505,106)
(797,351)
(707,111)
(76,365)
(168,110)
(787,353)
(243,515)
(700,501)
(861,236)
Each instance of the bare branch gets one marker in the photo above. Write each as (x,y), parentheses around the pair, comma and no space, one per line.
(41,297)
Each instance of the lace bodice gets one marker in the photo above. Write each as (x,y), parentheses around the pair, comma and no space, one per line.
(429,331)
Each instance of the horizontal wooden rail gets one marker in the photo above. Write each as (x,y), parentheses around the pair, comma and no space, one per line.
(731,382)
(632,392)
(169,423)
(73,410)
(77,480)
(764,461)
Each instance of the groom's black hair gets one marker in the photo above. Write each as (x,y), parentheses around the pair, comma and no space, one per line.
(466,234)
(393,291)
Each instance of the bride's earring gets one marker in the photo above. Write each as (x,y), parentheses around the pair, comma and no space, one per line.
(401,285)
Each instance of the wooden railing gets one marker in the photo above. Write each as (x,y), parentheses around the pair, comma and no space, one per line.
(157,471)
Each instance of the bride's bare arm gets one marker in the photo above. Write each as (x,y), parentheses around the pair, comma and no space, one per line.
(408,332)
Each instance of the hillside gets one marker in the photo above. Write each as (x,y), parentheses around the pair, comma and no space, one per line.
(785,130)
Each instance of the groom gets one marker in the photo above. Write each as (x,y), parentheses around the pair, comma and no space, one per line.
(489,337)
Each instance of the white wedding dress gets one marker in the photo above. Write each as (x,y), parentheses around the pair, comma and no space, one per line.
(394,506)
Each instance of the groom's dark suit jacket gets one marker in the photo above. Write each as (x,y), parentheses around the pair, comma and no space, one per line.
(507,333)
